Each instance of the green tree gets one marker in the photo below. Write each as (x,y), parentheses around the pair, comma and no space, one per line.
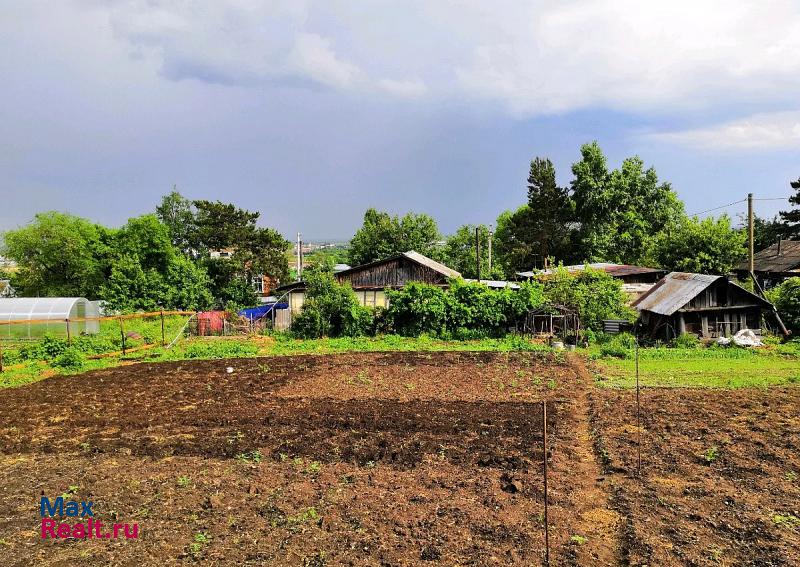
(551,212)
(708,246)
(766,232)
(228,283)
(593,294)
(221,225)
(418,308)
(791,218)
(786,298)
(459,253)
(263,251)
(256,251)
(514,245)
(382,236)
(58,255)
(177,213)
(464,310)
(147,272)
(620,211)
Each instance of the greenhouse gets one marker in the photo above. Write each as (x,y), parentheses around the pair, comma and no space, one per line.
(32,317)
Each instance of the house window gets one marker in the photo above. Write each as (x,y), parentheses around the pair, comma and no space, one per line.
(258,284)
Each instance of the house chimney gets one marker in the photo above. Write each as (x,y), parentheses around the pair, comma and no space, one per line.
(779,246)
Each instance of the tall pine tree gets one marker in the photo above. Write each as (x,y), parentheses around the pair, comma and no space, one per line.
(551,212)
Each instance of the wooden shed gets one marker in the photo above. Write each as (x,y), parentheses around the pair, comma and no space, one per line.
(704,305)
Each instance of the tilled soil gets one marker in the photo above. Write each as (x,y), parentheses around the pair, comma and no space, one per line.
(398,459)
(368,459)
(720,476)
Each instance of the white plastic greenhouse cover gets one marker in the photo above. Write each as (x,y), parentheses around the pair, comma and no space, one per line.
(54,310)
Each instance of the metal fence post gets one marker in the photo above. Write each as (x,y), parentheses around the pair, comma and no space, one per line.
(638,414)
(69,333)
(1,356)
(163,336)
(544,467)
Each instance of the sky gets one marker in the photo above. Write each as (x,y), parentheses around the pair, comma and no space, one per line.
(310,112)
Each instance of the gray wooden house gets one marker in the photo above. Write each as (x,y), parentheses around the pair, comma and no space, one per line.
(704,305)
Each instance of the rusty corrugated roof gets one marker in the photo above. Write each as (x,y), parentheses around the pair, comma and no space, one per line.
(676,289)
(673,291)
(768,259)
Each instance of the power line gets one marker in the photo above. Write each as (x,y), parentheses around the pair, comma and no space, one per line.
(717,208)
(737,202)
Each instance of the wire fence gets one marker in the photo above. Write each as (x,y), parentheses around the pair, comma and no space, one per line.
(95,337)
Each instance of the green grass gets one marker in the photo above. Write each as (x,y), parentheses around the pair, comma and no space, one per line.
(27,361)
(703,368)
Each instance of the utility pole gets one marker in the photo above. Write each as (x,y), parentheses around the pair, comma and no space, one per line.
(478,251)
(299,257)
(750,232)
(491,233)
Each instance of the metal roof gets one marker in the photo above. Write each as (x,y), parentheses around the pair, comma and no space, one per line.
(615,270)
(768,259)
(676,289)
(673,291)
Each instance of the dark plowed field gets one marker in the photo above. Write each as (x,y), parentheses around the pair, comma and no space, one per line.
(396,460)
(719,481)
(386,459)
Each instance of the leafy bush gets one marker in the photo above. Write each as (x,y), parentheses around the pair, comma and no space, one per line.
(331,309)
(96,344)
(48,348)
(419,308)
(614,350)
(619,346)
(69,359)
(51,347)
(686,340)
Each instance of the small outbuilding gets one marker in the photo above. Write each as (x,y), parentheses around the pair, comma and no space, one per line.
(552,321)
(704,305)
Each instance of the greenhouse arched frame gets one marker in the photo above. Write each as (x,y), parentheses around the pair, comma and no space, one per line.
(24,318)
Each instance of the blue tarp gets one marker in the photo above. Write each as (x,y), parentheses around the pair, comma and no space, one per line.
(262,310)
